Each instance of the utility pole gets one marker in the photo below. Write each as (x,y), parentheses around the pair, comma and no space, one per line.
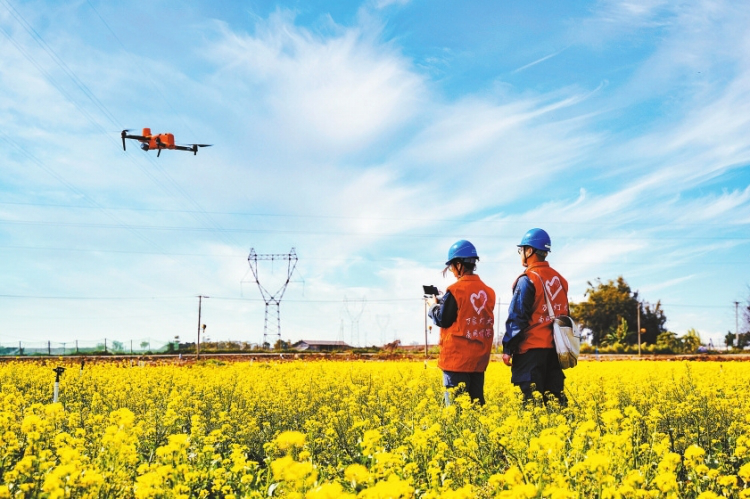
(737,323)
(425,333)
(638,331)
(198,345)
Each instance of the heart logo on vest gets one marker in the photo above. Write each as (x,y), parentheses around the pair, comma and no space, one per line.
(479,300)
(555,281)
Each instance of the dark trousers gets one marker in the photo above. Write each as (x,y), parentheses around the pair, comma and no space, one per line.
(473,384)
(539,370)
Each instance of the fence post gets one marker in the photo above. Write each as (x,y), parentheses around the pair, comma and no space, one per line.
(49,348)
(76,346)
(20,349)
(105,345)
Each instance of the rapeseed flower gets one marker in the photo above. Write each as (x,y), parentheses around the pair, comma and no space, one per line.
(290,439)
(363,429)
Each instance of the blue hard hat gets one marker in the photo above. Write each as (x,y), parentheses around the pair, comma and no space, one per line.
(537,239)
(462,249)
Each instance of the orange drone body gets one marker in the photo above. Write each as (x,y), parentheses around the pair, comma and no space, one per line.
(158,142)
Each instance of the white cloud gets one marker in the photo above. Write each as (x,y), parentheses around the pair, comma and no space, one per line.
(338,94)
(538,61)
(381,4)
(729,208)
(653,288)
(611,19)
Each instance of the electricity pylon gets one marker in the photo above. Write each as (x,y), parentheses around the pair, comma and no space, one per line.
(383,321)
(354,318)
(268,297)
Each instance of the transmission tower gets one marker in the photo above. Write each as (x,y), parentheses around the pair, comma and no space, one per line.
(383,321)
(354,318)
(272,299)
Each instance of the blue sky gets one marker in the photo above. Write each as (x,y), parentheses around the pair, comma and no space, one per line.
(369,137)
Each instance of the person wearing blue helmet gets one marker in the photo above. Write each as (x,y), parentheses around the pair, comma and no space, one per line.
(465,315)
(528,345)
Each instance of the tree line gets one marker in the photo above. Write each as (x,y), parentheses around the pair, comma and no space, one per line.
(610,318)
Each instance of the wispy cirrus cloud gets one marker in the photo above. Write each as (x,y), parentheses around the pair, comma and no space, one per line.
(336,93)
(538,61)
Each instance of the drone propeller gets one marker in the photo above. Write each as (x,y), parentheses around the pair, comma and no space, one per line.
(123,134)
(194,147)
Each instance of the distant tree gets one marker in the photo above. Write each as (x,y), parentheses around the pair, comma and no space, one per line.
(653,321)
(617,335)
(144,345)
(730,340)
(669,341)
(691,341)
(117,346)
(608,304)
(281,345)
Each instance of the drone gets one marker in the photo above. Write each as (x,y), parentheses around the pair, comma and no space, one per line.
(159,142)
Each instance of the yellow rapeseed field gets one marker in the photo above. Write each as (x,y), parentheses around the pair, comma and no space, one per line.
(371,430)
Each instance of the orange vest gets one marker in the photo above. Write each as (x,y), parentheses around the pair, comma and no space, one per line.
(465,346)
(539,332)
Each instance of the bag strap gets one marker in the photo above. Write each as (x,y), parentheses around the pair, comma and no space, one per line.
(546,296)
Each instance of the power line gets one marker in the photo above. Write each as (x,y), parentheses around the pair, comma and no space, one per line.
(211,255)
(163,98)
(58,60)
(90,95)
(326,258)
(183,228)
(203,213)
(118,223)
(97,298)
(259,300)
(669,224)
(48,77)
(213,297)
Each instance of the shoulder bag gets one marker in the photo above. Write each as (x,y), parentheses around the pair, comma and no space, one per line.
(565,332)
